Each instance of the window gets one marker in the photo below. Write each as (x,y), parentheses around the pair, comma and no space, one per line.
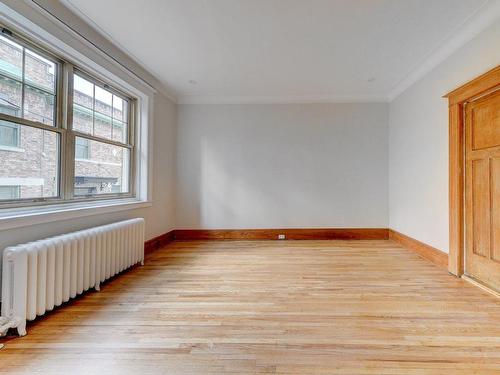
(27,82)
(81,148)
(9,192)
(9,134)
(106,172)
(65,135)
(102,151)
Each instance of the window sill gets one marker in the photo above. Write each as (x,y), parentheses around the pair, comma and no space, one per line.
(21,217)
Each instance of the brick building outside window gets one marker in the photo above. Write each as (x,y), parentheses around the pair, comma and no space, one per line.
(30,157)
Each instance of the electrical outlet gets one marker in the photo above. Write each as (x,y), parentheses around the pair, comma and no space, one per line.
(281,236)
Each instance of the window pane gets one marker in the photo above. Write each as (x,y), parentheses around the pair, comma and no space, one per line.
(83,119)
(120,118)
(39,72)
(98,111)
(38,105)
(9,192)
(106,171)
(34,167)
(103,101)
(9,134)
(83,92)
(10,96)
(120,109)
(11,59)
(81,148)
(102,126)
(83,104)
(119,131)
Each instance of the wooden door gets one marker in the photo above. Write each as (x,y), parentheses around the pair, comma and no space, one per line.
(482,189)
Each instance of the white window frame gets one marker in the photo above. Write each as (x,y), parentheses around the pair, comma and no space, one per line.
(63,126)
(72,47)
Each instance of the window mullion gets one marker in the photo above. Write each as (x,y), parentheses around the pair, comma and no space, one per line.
(102,140)
(69,142)
(23,87)
(93,112)
(33,124)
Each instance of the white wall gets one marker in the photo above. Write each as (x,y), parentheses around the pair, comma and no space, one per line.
(282,165)
(418,142)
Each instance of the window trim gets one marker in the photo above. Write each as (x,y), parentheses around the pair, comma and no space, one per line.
(62,125)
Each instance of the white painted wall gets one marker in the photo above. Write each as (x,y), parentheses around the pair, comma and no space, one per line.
(282,165)
(418,141)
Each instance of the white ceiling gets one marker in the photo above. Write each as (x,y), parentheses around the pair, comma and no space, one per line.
(280,50)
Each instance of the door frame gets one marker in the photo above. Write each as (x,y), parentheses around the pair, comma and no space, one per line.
(456,102)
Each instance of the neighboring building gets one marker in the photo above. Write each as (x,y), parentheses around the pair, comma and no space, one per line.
(29,156)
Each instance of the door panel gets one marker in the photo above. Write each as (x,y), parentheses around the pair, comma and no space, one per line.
(495,209)
(486,120)
(480,207)
(482,189)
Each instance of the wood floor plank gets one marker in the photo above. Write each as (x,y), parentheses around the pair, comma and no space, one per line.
(269,307)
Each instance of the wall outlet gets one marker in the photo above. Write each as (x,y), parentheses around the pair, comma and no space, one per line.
(281,237)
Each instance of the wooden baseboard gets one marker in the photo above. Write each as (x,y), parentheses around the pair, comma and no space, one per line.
(160,241)
(290,234)
(428,252)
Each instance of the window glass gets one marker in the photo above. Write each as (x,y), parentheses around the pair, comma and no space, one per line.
(35,168)
(9,134)
(11,93)
(81,148)
(83,92)
(98,111)
(103,101)
(11,59)
(9,192)
(22,69)
(39,72)
(107,171)
(38,105)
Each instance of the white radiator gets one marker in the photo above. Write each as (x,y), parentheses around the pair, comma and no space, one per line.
(41,275)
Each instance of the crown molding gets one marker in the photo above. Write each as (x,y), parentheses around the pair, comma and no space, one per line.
(284,99)
(472,26)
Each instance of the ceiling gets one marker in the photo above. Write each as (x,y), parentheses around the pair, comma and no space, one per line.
(280,50)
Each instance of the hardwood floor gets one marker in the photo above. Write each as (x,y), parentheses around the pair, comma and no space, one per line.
(270,307)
